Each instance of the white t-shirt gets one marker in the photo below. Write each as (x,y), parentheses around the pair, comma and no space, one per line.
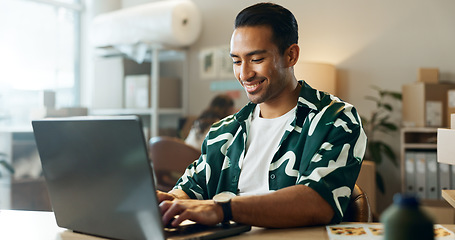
(263,141)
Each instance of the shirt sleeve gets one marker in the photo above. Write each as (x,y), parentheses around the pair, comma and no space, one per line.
(339,145)
(193,181)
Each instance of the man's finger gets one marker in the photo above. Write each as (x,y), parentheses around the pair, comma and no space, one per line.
(162,196)
(164,206)
(170,209)
(179,219)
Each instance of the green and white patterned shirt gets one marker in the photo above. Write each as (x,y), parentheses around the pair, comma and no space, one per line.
(322,148)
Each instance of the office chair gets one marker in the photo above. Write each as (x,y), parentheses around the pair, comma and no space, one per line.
(359,207)
(170,157)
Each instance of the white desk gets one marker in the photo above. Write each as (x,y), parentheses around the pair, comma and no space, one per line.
(20,225)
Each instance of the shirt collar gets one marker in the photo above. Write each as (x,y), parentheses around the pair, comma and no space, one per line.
(309,99)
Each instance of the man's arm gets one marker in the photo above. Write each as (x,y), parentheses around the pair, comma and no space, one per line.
(288,207)
(293,206)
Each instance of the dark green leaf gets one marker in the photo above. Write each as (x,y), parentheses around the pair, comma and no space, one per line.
(384,119)
(373,117)
(396,95)
(387,106)
(392,127)
(375,152)
(374,99)
(380,182)
(386,126)
(389,153)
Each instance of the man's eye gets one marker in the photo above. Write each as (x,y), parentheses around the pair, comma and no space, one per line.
(235,62)
(257,60)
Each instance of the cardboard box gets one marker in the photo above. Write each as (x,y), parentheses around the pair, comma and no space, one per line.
(440,214)
(137,92)
(47,99)
(446,151)
(451,107)
(425,104)
(367,182)
(428,75)
(170,93)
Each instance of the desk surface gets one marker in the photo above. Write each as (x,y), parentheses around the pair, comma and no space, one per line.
(42,226)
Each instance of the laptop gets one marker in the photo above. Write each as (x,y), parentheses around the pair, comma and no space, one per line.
(101,183)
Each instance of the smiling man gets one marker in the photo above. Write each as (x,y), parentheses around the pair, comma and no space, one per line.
(288,158)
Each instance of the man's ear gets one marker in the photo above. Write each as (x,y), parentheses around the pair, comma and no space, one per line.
(292,54)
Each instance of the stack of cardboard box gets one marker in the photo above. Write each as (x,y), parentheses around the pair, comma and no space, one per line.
(427,102)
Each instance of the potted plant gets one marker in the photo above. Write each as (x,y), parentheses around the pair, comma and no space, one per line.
(380,122)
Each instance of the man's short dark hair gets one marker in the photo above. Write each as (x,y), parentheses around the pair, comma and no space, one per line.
(281,20)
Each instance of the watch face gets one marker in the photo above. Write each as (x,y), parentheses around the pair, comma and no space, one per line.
(223,197)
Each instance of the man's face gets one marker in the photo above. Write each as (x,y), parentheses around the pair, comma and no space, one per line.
(258,65)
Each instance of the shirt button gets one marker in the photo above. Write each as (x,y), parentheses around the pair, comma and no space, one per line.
(272,176)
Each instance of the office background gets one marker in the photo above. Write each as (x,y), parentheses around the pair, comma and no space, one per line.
(380,43)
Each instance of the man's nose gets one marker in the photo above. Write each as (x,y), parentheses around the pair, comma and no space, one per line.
(246,72)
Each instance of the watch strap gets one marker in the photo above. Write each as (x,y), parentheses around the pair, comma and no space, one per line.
(227,212)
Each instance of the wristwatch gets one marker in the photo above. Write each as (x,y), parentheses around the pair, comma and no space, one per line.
(224,200)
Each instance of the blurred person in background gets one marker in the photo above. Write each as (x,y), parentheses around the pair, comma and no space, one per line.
(220,107)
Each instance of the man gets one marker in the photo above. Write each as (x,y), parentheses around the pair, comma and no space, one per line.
(289,158)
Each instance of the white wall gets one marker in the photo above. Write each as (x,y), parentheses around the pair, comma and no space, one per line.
(379,42)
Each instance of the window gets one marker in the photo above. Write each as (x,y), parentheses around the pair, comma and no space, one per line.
(39,46)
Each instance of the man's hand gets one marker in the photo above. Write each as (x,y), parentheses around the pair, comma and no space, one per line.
(205,212)
(162,196)
(171,195)
(176,204)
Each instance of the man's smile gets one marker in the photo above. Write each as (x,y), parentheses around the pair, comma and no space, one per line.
(251,87)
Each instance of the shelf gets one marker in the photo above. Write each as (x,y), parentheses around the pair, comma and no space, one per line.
(420,129)
(155,55)
(431,146)
(168,54)
(418,151)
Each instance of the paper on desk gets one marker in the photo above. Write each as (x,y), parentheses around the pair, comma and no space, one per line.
(374,232)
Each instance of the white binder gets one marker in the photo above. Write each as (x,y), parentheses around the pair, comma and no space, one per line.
(432,190)
(410,172)
(420,175)
(444,178)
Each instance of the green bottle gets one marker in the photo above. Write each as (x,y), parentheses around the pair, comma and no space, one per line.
(404,220)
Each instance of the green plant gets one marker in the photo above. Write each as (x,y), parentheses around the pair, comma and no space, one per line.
(380,122)
(5,164)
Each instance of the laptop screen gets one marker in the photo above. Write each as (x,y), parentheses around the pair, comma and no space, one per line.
(99,177)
